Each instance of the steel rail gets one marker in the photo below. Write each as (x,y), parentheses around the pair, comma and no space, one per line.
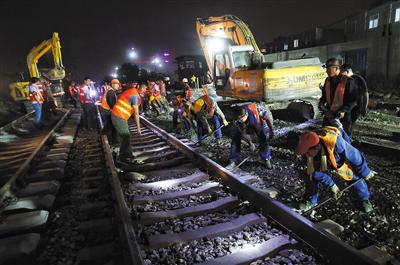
(335,250)
(10,124)
(5,189)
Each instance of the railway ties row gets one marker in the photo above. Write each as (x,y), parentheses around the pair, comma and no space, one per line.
(184,213)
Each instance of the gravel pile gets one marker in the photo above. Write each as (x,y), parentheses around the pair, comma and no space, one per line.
(209,248)
(192,223)
(178,202)
(130,190)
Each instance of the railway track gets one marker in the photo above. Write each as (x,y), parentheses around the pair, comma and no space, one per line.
(58,207)
(70,204)
(188,209)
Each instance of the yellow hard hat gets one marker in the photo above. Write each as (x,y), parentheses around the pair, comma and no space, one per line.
(151,98)
(198,105)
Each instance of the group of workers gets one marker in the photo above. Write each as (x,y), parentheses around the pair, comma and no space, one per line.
(327,151)
(42,100)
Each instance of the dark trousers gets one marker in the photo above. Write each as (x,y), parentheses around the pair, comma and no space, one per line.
(122,128)
(264,149)
(108,128)
(89,116)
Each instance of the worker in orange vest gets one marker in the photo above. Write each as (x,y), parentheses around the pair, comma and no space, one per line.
(36,96)
(327,152)
(338,97)
(128,104)
(107,103)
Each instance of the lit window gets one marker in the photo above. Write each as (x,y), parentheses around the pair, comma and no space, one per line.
(373,21)
(397,16)
(296,43)
(285,46)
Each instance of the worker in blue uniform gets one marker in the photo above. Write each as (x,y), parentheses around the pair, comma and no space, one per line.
(326,151)
(256,120)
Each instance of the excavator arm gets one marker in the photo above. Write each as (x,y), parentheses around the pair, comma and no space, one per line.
(216,33)
(37,52)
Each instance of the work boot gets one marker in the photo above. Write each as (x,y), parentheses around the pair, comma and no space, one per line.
(267,164)
(307,205)
(231,165)
(367,206)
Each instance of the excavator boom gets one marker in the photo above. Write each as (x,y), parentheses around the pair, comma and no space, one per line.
(216,33)
(37,52)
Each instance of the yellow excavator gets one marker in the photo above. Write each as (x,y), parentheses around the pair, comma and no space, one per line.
(239,72)
(20,90)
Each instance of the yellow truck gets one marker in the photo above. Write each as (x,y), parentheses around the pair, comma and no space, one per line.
(19,91)
(239,72)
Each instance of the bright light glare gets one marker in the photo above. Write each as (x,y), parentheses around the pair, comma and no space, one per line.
(160,65)
(114,75)
(166,61)
(166,54)
(215,45)
(132,54)
(116,68)
(156,60)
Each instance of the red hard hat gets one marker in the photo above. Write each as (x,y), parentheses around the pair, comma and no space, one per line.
(306,141)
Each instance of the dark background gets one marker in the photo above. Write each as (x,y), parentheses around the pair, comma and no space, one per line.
(95,36)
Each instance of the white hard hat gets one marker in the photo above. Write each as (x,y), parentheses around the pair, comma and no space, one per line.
(185,80)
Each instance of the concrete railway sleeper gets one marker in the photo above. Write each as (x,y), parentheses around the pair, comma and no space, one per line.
(196,212)
(59,210)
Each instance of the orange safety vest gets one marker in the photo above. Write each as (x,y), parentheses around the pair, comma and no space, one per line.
(337,101)
(253,108)
(104,104)
(41,95)
(329,138)
(122,107)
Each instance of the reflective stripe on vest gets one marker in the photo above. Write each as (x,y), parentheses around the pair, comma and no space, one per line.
(253,108)
(41,95)
(329,139)
(337,102)
(122,108)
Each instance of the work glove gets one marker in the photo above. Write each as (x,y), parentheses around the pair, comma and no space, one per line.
(209,130)
(336,192)
(225,122)
(253,147)
(370,175)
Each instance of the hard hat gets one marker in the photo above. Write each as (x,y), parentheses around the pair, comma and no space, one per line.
(198,105)
(306,141)
(332,62)
(115,81)
(151,98)
(185,80)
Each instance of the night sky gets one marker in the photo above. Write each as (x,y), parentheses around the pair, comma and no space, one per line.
(96,36)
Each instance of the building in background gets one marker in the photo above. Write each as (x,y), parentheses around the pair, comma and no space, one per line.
(370,41)
(189,65)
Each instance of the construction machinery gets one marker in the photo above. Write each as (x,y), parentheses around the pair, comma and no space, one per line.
(20,90)
(239,72)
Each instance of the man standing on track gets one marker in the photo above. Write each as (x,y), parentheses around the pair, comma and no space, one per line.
(37,99)
(89,109)
(107,103)
(127,105)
